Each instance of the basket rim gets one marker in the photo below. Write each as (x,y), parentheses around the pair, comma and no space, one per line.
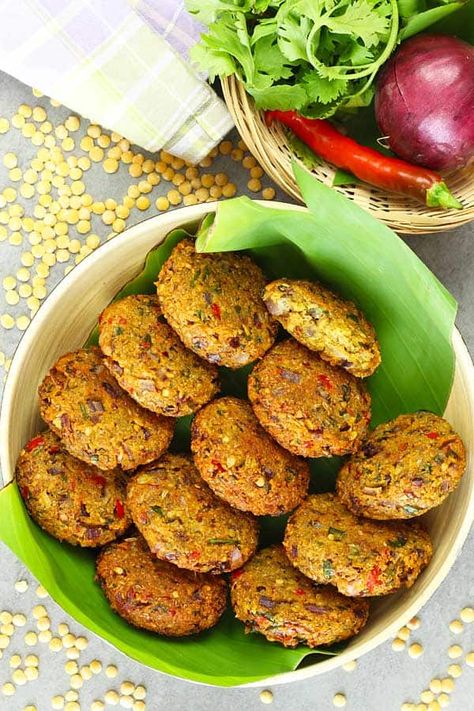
(271,148)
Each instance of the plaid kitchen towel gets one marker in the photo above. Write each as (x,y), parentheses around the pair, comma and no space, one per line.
(170,19)
(100,59)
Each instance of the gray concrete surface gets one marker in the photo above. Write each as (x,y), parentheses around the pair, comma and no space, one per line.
(384,679)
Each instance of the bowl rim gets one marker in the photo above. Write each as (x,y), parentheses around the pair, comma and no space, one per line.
(167,222)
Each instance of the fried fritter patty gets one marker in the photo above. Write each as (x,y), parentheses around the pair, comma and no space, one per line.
(213,302)
(360,557)
(149,361)
(242,464)
(271,597)
(95,419)
(403,468)
(156,595)
(309,407)
(324,322)
(71,500)
(184,523)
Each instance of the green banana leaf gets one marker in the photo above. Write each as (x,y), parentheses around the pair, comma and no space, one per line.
(345,247)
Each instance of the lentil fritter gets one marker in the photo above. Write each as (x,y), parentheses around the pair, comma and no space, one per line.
(324,322)
(309,407)
(242,464)
(330,544)
(149,361)
(213,302)
(95,419)
(403,468)
(155,595)
(273,598)
(71,500)
(184,523)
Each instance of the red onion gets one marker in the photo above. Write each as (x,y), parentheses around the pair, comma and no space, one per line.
(424,103)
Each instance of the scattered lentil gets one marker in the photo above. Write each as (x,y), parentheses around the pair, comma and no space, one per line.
(339,700)
(31,638)
(415,650)
(15,661)
(455,651)
(8,689)
(19,620)
(398,644)
(57,702)
(18,677)
(443,700)
(470,659)
(140,692)
(467,614)
(111,671)
(427,696)
(266,696)
(111,697)
(455,671)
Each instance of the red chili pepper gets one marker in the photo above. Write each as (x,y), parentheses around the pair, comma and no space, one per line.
(366,163)
(300,591)
(374,578)
(25,492)
(324,380)
(216,310)
(217,465)
(119,509)
(236,574)
(98,479)
(54,449)
(34,443)
(432,435)
(194,555)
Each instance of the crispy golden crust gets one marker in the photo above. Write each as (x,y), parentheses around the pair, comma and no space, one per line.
(309,407)
(403,468)
(242,464)
(95,419)
(71,500)
(184,522)
(149,361)
(213,302)
(360,557)
(324,322)
(271,597)
(156,595)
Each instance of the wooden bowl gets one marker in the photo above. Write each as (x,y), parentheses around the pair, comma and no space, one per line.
(270,146)
(64,322)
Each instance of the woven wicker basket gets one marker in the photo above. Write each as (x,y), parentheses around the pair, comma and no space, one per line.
(270,147)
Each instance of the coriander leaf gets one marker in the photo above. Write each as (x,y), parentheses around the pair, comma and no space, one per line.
(293,31)
(360,19)
(228,36)
(213,61)
(321,89)
(263,29)
(207,11)
(269,59)
(280,96)
(261,6)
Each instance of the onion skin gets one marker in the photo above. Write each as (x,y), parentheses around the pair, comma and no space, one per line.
(424,103)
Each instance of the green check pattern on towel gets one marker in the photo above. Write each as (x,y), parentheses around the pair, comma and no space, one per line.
(101,60)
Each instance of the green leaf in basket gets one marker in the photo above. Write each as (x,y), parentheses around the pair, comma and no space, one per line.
(342,245)
(421,21)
